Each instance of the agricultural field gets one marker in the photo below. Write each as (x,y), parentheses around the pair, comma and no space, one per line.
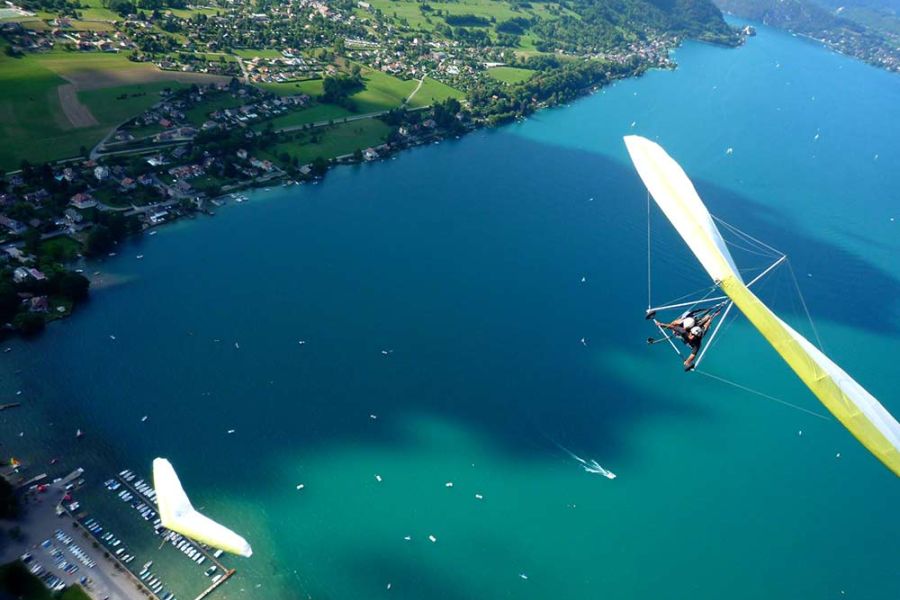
(497,10)
(338,140)
(93,11)
(510,75)
(53,104)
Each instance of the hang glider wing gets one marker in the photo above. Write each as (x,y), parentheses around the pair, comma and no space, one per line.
(853,406)
(177,514)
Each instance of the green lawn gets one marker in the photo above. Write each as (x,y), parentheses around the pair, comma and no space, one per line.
(434,91)
(59,249)
(314,114)
(310,87)
(334,141)
(510,74)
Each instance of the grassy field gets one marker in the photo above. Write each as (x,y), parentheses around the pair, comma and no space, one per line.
(510,74)
(434,91)
(111,108)
(33,124)
(338,140)
(60,249)
(383,92)
(200,114)
(248,54)
(497,9)
(314,114)
(310,87)
(94,11)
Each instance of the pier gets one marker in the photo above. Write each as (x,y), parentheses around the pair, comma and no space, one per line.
(213,587)
(10,405)
(201,547)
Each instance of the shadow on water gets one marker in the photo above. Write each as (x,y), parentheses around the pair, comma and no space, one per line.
(492,340)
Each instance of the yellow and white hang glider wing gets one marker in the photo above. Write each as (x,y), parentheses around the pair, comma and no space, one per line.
(853,406)
(177,514)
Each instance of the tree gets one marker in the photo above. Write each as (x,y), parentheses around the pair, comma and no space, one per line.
(99,241)
(9,503)
(9,302)
(73,286)
(29,323)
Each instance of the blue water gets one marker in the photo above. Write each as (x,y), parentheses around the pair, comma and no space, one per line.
(464,262)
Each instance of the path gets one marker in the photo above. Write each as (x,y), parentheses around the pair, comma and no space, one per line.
(77,113)
(415,91)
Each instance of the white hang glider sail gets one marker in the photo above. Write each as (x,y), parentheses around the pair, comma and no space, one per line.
(853,406)
(177,514)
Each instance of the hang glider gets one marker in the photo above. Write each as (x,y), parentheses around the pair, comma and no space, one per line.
(852,405)
(177,514)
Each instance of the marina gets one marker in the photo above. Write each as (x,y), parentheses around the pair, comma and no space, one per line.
(123,549)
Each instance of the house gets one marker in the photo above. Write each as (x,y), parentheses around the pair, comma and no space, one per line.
(158,217)
(12,225)
(38,304)
(82,201)
(20,274)
(128,183)
(101,173)
(15,253)
(145,180)
(36,274)
(370,154)
(242,154)
(73,217)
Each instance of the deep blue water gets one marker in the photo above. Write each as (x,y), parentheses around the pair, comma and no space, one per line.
(464,261)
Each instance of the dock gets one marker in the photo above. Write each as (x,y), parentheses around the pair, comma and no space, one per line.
(9,405)
(200,547)
(213,587)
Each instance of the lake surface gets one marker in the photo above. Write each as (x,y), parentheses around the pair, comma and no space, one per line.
(441,292)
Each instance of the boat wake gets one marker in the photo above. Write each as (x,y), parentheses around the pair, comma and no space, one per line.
(589,466)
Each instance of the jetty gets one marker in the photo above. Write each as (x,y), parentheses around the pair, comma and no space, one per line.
(213,587)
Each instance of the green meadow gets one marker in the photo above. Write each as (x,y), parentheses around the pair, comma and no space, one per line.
(510,74)
(32,121)
(310,87)
(316,113)
(434,91)
(383,92)
(337,140)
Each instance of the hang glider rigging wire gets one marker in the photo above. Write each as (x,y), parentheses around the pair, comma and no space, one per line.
(758,248)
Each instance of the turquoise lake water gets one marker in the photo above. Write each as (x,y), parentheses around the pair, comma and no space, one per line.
(464,262)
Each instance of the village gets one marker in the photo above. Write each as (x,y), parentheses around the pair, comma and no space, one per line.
(259,95)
